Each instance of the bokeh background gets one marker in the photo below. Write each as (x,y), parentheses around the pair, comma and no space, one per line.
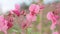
(41,26)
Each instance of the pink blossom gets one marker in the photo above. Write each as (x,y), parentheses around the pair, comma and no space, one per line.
(17,12)
(3,24)
(49,15)
(9,25)
(55,33)
(23,13)
(31,17)
(52,17)
(10,19)
(25,24)
(34,8)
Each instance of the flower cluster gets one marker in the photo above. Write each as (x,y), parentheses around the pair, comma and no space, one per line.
(31,16)
(7,22)
(54,17)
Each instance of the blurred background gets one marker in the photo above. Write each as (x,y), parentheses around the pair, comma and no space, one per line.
(44,24)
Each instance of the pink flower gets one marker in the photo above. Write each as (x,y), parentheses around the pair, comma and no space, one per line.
(34,8)
(52,17)
(9,19)
(17,10)
(23,13)
(55,33)
(25,24)
(9,25)
(49,15)
(3,24)
(30,17)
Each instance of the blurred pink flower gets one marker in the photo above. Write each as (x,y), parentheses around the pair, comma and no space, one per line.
(55,33)
(25,24)
(52,17)
(3,24)
(34,8)
(23,13)
(10,20)
(16,10)
(30,17)
(9,25)
(49,15)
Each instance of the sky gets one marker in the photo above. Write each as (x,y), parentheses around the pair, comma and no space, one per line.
(9,4)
